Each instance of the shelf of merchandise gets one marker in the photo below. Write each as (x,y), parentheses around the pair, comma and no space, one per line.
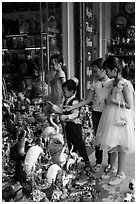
(126,52)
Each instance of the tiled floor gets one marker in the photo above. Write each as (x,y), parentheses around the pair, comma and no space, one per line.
(116,193)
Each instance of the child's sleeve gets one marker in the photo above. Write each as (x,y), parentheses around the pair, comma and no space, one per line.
(75,113)
(62,76)
(92,87)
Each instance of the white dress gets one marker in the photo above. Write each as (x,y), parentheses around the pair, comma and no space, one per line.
(111,136)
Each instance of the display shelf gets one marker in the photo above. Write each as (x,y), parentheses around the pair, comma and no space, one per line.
(25,48)
(126,52)
(50,30)
(123,56)
(123,45)
(7,65)
(30,33)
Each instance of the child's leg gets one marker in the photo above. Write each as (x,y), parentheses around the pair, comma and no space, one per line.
(95,119)
(68,136)
(74,134)
(111,171)
(109,155)
(98,155)
(120,176)
(113,157)
(121,162)
(108,167)
(79,143)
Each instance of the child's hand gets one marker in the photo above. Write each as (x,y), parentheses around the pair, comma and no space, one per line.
(114,101)
(63,117)
(111,100)
(93,143)
(108,100)
(68,108)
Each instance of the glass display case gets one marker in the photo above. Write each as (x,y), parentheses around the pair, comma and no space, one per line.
(31,33)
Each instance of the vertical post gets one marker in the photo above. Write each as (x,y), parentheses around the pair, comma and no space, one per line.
(64,34)
(68,37)
(47,35)
(41,44)
(81,50)
(100,29)
(105,27)
(47,38)
(83,55)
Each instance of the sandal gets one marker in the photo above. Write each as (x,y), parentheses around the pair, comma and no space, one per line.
(117,180)
(111,172)
(107,168)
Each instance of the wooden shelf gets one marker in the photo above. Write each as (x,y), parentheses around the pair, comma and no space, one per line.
(25,48)
(124,56)
(123,45)
(51,30)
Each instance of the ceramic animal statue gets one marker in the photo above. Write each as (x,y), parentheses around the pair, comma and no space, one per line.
(31,158)
(56,135)
(52,132)
(63,157)
(66,179)
(70,162)
(55,143)
(54,148)
(52,172)
(47,132)
(73,160)
(73,154)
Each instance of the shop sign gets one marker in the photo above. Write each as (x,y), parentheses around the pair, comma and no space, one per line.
(88,46)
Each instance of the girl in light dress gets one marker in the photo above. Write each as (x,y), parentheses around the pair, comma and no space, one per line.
(115,132)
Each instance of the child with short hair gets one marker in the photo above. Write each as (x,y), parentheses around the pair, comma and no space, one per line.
(73,128)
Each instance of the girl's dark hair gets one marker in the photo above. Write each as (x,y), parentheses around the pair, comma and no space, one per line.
(57,57)
(112,63)
(98,62)
(70,85)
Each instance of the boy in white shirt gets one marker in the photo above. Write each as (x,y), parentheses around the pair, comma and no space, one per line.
(73,128)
